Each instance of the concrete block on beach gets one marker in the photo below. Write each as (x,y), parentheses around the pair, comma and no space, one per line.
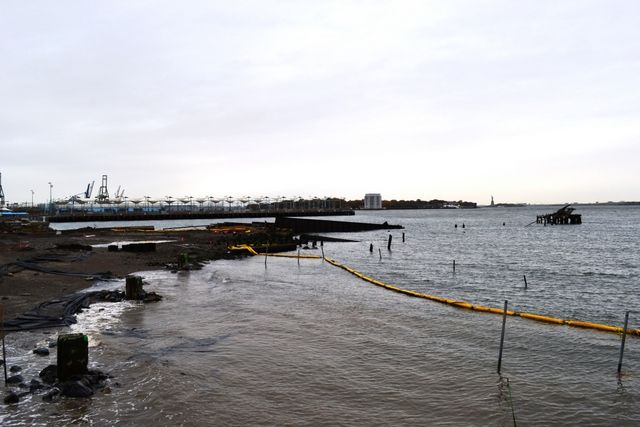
(73,355)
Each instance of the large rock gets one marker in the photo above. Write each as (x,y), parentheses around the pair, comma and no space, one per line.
(75,389)
(11,398)
(35,385)
(15,368)
(95,378)
(15,379)
(49,374)
(41,351)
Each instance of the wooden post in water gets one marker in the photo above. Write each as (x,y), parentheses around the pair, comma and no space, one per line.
(504,323)
(298,257)
(624,336)
(525,281)
(389,242)
(266,253)
(380,253)
(454,265)
(322,249)
(403,237)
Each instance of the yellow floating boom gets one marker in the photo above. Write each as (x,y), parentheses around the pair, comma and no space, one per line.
(481,308)
(456,303)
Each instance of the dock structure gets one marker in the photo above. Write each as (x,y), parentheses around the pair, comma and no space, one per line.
(83,216)
(564,215)
(309,225)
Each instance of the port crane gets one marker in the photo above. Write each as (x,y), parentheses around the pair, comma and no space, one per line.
(1,193)
(77,198)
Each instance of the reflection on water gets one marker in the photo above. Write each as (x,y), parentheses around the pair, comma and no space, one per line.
(238,344)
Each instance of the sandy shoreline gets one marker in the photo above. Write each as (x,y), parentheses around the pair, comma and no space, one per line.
(22,289)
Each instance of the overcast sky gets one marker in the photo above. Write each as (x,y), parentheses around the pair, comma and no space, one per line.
(529,101)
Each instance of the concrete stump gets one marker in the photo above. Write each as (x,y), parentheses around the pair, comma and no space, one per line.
(73,355)
(133,288)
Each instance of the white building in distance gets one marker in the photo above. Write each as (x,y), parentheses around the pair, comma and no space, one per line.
(373,201)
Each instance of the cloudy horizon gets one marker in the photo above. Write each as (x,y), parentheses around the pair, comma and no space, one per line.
(531,101)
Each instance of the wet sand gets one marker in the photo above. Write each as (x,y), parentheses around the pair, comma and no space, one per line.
(22,289)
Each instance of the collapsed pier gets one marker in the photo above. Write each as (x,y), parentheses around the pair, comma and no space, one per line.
(562,216)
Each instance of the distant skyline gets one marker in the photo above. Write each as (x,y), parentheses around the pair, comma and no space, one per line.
(529,101)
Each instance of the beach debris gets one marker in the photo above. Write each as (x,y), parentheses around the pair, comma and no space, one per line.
(139,247)
(73,247)
(62,311)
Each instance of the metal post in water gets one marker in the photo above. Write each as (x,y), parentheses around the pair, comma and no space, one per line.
(265,256)
(4,352)
(525,281)
(504,323)
(298,257)
(4,360)
(624,336)
(322,249)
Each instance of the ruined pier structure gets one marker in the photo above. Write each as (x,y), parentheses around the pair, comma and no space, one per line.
(564,215)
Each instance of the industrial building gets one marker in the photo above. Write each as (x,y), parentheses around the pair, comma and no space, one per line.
(372,201)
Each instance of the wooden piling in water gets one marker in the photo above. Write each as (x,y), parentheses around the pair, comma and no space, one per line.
(624,335)
(525,281)
(389,242)
(133,288)
(504,323)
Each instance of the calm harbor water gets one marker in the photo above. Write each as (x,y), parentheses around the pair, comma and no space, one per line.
(238,344)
